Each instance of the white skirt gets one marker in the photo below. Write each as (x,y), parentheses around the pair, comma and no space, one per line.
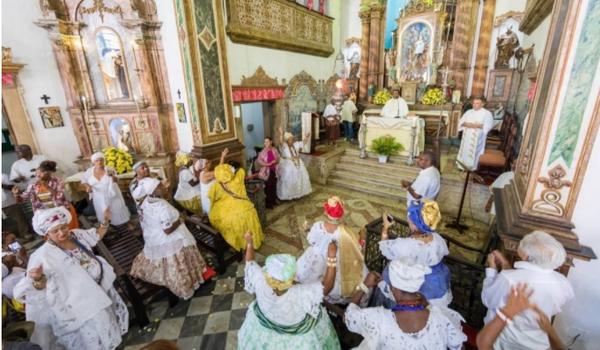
(292,180)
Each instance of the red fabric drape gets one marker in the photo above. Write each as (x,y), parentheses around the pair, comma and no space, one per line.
(8,79)
(322,6)
(309,4)
(257,94)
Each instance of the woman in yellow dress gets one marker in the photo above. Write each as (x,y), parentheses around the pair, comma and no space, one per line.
(232,213)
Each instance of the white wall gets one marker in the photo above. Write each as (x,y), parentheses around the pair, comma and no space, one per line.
(350,21)
(30,45)
(244,59)
(170,40)
(582,315)
(538,37)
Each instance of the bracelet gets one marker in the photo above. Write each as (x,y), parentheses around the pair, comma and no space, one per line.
(331,260)
(40,283)
(362,287)
(331,264)
(503,317)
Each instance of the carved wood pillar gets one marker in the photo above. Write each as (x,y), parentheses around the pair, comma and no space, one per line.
(375,45)
(483,47)
(365,18)
(464,29)
(563,124)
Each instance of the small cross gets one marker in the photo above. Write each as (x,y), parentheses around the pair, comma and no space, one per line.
(179,94)
(45,98)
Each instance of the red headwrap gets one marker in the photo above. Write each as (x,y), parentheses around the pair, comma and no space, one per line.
(334,208)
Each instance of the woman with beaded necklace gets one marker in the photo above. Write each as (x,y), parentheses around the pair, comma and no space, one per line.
(292,177)
(410,323)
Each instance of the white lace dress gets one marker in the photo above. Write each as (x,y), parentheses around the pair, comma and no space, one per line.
(380,330)
(292,177)
(289,310)
(312,265)
(107,194)
(204,188)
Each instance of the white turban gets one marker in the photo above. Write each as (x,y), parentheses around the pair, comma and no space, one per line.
(281,267)
(145,187)
(46,219)
(406,276)
(96,156)
(137,165)
(287,135)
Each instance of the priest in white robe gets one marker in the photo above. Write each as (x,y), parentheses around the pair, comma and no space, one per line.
(475,125)
(396,107)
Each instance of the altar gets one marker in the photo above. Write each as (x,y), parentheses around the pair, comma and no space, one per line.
(409,132)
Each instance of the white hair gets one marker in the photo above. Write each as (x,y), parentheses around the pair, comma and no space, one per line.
(543,250)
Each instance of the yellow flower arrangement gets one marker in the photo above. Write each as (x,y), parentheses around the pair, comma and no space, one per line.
(381,97)
(433,96)
(118,159)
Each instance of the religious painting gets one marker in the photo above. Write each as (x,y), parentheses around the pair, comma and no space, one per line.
(181,112)
(498,88)
(51,117)
(499,84)
(304,101)
(112,65)
(415,52)
(121,135)
(141,122)
(147,143)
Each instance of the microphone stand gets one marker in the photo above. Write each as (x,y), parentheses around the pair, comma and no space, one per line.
(456,223)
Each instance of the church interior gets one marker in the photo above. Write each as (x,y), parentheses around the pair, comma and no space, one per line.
(347,99)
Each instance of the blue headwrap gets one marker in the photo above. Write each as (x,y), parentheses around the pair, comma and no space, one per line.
(415,215)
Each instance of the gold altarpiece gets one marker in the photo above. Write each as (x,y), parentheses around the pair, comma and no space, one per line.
(112,66)
(560,133)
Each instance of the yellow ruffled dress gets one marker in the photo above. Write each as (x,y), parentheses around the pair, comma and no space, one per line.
(232,213)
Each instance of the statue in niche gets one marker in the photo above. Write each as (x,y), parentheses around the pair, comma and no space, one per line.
(390,66)
(414,54)
(112,65)
(506,44)
(351,58)
(120,132)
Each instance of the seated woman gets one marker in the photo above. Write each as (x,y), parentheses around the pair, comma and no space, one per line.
(102,182)
(312,265)
(267,161)
(188,188)
(292,176)
(207,180)
(69,288)
(170,257)
(286,315)
(232,213)
(411,323)
(425,247)
(47,192)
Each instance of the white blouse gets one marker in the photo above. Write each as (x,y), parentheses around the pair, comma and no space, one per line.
(289,308)
(427,254)
(185,191)
(158,215)
(380,330)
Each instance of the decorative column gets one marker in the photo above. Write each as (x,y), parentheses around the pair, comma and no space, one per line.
(464,29)
(375,36)
(365,19)
(563,124)
(483,47)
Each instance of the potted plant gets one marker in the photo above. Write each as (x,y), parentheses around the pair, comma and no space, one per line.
(385,146)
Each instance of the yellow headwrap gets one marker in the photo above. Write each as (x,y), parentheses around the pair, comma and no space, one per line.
(431,213)
(182,159)
(223,173)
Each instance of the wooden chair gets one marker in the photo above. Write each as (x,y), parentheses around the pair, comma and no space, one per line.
(500,158)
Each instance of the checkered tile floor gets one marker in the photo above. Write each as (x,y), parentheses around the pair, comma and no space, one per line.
(210,320)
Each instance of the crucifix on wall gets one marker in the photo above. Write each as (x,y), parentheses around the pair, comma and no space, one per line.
(45,98)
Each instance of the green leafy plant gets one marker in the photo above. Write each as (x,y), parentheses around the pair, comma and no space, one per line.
(386,145)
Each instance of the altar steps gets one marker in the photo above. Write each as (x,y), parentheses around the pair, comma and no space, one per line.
(371,177)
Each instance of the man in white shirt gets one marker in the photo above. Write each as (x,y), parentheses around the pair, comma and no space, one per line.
(332,121)
(475,125)
(12,210)
(348,118)
(395,107)
(427,183)
(541,254)
(23,170)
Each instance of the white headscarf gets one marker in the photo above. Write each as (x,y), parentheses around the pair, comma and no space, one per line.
(46,219)
(406,276)
(137,165)
(287,135)
(96,156)
(145,187)
(281,267)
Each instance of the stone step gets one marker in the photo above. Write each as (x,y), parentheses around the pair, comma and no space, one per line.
(374,165)
(351,151)
(391,176)
(385,182)
(368,188)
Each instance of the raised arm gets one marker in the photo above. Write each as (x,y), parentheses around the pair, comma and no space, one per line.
(223,155)
(249,256)
(329,278)
(372,279)
(386,226)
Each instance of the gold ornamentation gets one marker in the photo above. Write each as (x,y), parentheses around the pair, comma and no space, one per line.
(6,55)
(206,38)
(279,24)
(516,15)
(551,196)
(299,80)
(416,7)
(101,8)
(259,79)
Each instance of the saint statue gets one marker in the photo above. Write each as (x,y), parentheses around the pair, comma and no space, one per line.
(351,58)
(506,44)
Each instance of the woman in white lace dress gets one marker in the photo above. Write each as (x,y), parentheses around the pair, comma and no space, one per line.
(312,265)
(69,288)
(292,177)
(170,257)
(188,186)
(285,315)
(101,181)
(411,323)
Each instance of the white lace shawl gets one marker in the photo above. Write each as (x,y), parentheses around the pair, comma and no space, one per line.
(286,309)
(428,254)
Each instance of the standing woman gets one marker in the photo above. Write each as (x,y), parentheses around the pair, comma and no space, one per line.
(188,188)
(232,213)
(70,289)
(48,191)
(170,257)
(267,160)
(102,182)
(293,180)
